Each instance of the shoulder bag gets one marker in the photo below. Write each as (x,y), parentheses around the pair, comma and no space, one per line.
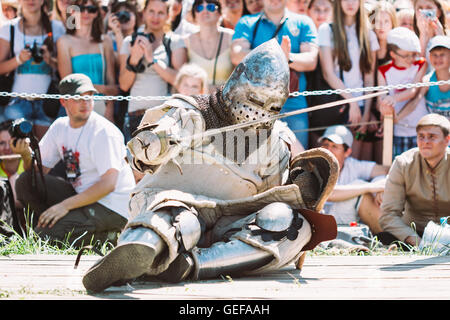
(7,80)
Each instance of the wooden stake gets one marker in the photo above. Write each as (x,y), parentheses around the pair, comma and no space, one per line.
(388,136)
(10,157)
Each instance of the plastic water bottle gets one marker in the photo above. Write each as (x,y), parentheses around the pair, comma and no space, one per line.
(437,237)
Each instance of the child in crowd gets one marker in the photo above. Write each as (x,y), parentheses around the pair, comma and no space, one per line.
(429,21)
(437,98)
(321,11)
(405,18)
(405,67)
(191,80)
(384,19)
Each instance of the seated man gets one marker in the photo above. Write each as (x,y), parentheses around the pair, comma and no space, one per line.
(353,196)
(94,200)
(10,169)
(418,186)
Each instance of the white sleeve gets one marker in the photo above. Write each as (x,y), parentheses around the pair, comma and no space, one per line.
(374,45)
(49,147)
(176,42)
(363,168)
(108,151)
(58,29)
(325,35)
(126,44)
(5,31)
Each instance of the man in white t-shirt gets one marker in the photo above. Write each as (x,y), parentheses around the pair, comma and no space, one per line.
(93,202)
(354,198)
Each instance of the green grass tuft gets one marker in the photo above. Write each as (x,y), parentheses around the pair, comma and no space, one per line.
(29,242)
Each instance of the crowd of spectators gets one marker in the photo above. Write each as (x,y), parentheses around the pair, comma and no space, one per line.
(162,47)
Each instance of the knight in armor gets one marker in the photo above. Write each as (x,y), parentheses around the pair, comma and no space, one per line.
(234,203)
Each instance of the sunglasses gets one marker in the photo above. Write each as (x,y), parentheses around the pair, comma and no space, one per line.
(89,9)
(211,7)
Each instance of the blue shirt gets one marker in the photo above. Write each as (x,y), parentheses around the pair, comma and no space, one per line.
(436,100)
(90,64)
(300,28)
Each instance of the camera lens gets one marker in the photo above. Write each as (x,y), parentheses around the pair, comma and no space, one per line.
(25,127)
(123,16)
(38,58)
(21,128)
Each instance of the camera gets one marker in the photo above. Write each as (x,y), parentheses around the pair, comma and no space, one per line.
(20,129)
(429,13)
(150,36)
(36,52)
(123,16)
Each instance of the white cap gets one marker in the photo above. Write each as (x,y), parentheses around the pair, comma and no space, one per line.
(404,38)
(12,3)
(439,41)
(338,134)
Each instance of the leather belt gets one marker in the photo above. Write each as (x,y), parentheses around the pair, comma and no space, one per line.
(137,113)
(30,99)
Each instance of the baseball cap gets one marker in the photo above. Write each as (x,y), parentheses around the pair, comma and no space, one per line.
(338,134)
(439,41)
(404,38)
(434,119)
(76,84)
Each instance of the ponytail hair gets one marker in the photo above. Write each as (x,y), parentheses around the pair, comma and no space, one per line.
(47,24)
(363,28)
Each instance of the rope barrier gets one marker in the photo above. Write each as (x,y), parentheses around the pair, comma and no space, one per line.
(375,88)
(162,98)
(345,125)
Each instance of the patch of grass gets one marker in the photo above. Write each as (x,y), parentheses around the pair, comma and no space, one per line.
(377,249)
(29,242)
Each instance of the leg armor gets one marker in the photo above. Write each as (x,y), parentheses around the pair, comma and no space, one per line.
(266,240)
(150,242)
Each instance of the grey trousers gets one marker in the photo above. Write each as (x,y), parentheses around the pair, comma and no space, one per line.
(85,224)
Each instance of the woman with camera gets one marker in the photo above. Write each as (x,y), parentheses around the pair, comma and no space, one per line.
(122,22)
(210,46)
(429,21)
(148,62)
(33,61)
(85,49)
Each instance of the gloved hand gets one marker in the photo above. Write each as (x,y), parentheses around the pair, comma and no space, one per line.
(146,146)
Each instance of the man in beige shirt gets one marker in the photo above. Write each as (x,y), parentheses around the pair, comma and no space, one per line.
(418,186)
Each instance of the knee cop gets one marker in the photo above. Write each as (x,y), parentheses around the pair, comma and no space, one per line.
(266,240)
(174,224)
